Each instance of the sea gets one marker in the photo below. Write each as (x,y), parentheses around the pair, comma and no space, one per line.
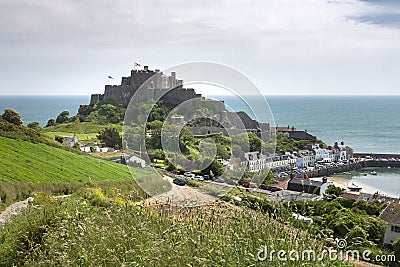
(366,123)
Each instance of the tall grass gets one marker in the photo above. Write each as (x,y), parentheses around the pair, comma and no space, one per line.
(83,232)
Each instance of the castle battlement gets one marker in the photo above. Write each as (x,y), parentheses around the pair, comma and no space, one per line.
(156,82)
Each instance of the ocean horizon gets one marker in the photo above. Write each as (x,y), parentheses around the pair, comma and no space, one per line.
(367,123)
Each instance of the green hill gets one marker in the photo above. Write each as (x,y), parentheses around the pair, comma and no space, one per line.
(38,162)
(32,162)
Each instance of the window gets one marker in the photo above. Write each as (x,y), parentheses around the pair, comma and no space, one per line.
(395,229)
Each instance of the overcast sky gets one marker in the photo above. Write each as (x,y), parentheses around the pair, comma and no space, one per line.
(284,47)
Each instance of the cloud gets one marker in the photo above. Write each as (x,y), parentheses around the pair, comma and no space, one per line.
(285,46)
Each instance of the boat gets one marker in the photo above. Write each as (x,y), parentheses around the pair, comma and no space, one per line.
(354,188)
(373,173)
(347,173)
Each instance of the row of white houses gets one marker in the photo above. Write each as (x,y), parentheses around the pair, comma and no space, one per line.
(302,158)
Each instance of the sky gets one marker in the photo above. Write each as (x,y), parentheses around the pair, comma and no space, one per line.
(69,47)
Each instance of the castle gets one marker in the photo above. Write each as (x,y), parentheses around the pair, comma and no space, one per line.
(157,84)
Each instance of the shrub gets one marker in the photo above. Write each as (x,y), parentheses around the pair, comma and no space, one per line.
(12,116)
(62,117)
(59,139)
(50,123)
(34,125)
(396,248)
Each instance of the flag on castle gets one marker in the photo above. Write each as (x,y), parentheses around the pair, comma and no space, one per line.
(109,77)
(137,64)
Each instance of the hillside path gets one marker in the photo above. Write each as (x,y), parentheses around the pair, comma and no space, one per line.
(13,209)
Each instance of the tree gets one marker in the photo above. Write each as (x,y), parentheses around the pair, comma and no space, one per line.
(216,168)
(59,138)
(255,142)
(34,125)
(111,137)
(334,191)
(159,154)
(51,122)
(62,117)
(12,116)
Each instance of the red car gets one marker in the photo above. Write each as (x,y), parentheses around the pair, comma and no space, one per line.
(249,185)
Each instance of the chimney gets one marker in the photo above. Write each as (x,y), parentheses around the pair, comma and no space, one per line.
(173,74)
(146,68)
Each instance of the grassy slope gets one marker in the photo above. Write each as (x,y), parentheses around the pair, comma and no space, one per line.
(85,131)
(37,162)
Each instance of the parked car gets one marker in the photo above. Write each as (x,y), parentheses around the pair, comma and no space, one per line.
(206,177)
(189,174)
(198,178)
(231,182)
(249,185)
(275,189)
(179,181)
(283,174)
(219,180)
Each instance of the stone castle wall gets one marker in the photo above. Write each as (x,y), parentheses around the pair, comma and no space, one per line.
(156,84)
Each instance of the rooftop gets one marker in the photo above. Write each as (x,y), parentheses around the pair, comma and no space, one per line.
(305,182)
(391,214)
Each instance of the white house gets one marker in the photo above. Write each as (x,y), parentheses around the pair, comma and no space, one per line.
(322,154)
(256,161)
(391,215)
(343,152)
(226,164)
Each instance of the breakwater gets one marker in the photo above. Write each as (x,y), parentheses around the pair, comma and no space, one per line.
(379,160)
(333,170)
(365,160)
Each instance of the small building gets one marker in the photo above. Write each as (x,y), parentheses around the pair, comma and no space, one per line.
(308,186)
(391,215)
(135,161)
(226,164)
(72,141)
(293,133)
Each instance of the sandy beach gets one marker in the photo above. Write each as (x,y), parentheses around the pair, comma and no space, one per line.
(366,188)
